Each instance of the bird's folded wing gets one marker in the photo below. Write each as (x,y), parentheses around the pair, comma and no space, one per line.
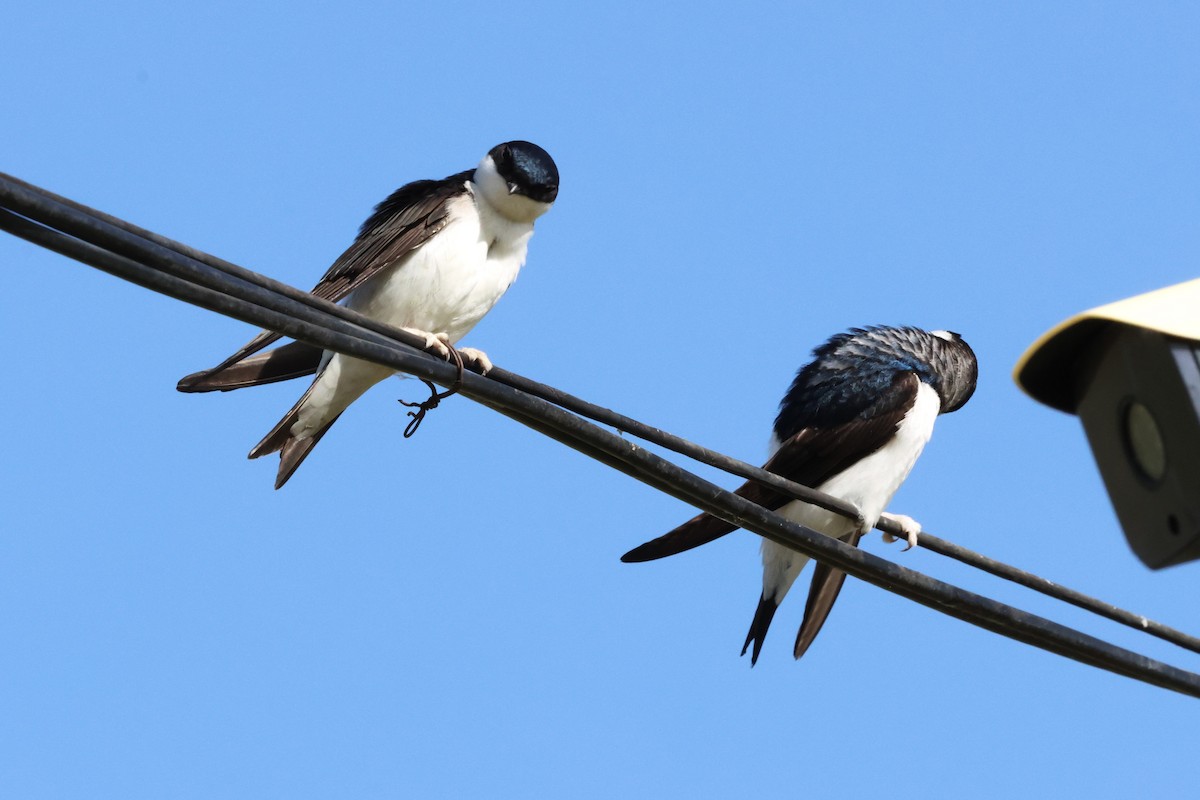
(810,458)
(400,224)
(292,360)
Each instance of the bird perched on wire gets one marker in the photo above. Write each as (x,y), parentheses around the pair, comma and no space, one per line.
(852,425)
(433,258)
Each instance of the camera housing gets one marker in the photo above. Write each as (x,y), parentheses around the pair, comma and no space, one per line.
(1131,372)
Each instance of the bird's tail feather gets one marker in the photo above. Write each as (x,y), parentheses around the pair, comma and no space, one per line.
(822,594)
(758,626)
(292,451)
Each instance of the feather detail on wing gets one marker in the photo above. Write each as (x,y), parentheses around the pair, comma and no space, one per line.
(292,360)
(400,224)
(810,457)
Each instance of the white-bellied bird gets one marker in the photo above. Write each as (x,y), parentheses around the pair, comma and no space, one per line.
(852,425)
(433,258)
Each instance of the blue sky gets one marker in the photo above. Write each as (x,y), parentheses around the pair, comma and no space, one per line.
(447,616)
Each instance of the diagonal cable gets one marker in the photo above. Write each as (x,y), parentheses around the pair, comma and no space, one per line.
(652,434)
(171,272)
(29,194)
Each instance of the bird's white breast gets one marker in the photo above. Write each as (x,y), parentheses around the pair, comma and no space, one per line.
(454,279)
(869,484)
(445,286)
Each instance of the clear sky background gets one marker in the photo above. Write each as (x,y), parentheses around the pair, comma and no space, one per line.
(446,616)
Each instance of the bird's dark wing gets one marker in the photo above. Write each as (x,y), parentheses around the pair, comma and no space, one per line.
(399,225)
(810,458)
(412,215)
(292,360)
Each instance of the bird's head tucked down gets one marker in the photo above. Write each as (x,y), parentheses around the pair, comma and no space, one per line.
(519,179)
(864,363)
(956,369)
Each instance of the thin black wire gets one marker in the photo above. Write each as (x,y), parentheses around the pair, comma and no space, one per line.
(651,434)
(173,273)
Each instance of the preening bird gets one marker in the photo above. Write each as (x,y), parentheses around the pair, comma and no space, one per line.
(433,258)
(852,425)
